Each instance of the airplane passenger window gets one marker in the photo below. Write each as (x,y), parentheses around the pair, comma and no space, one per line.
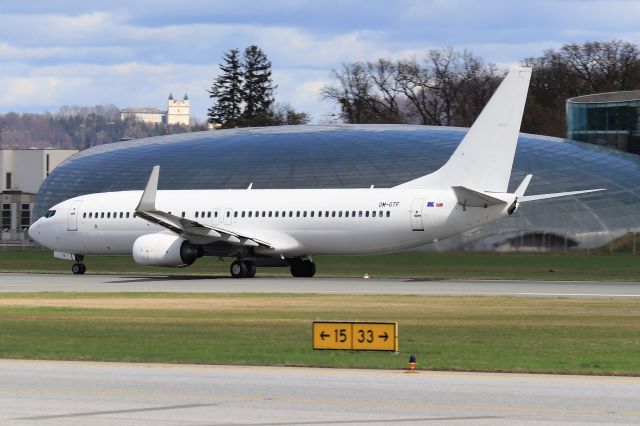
(360,213)
(284,214)
(202,214)
(135,215)
(128,215)
(269,213)
(208,214)
(196,214)
(326,214)
(182,214)
(242,214)
(84,215)
(311,213)
(346,214)
(90,215)
(304,213)
(333,214)
(277,213)
(249,213)
(108,215)
(340,214)
(366,213)
(388,214)
(264,214)
(380,214)
(290,213)
(121,215)
(235,214)
(373,213)
(319,213)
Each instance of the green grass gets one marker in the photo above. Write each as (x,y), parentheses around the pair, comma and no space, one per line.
(622,267)
(552,335)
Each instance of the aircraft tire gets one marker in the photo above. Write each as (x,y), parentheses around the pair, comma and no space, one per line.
(250,269)
(303,268)
(309,268)
(78,268)
(238,269)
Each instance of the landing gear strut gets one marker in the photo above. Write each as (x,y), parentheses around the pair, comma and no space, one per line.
(303,268)
(78,268)
(243,269)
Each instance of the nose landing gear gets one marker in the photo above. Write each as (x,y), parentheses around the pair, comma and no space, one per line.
(78,268)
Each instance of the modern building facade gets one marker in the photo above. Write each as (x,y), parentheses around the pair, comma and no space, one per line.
(608,119)
(22,171)
(351,156)
(177,113)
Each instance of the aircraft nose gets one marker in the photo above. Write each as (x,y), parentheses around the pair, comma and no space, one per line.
(34,231)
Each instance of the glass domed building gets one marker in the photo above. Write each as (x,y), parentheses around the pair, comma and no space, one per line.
(351,156)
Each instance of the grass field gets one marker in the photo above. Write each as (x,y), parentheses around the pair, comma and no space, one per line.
(622,267)
(554,335)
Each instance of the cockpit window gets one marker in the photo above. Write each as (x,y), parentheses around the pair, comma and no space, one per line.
(50,213)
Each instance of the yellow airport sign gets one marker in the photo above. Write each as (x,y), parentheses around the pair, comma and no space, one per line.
(357,336)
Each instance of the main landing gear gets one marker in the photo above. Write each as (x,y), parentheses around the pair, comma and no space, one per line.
(78,268)
(243,269)
(302,268)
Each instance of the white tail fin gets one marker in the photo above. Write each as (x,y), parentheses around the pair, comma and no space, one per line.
(484,158)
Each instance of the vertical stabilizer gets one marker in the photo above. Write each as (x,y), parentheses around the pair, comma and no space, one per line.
(484,158)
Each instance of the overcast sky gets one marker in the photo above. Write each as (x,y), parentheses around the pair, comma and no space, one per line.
(134,52)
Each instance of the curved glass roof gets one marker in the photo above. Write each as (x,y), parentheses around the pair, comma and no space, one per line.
(353,156)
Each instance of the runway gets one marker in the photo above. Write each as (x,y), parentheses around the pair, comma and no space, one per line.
(78,393)
(15,282)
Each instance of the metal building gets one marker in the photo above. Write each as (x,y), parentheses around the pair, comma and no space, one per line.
(609,119)
(381,155)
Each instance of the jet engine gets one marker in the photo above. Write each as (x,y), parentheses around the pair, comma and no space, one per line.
(165,250)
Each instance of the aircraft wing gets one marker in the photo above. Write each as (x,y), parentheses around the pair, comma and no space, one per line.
(189,229)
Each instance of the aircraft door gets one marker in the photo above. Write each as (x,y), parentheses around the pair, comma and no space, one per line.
(227,216)
(72,216)
(416,214)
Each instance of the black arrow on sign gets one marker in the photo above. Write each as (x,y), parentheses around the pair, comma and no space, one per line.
(384,336)
(324,335)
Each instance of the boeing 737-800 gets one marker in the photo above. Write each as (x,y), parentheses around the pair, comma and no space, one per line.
(285,227)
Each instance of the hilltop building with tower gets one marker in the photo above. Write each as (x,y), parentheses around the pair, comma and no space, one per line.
(177,113)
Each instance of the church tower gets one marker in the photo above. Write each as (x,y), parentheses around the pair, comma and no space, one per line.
(178,111)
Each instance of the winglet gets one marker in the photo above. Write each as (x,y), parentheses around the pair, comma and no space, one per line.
(522,188)
(148,199)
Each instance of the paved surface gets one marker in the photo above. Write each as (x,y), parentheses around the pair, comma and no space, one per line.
(79,393)
(195,284)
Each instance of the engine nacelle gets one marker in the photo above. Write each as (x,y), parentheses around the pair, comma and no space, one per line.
(165,250)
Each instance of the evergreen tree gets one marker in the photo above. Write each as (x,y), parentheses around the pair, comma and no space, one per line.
(257,88)
(228,91)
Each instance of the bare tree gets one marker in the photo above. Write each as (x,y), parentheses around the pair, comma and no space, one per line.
(434,91)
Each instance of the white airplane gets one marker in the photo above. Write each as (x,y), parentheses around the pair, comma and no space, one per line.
(284,227)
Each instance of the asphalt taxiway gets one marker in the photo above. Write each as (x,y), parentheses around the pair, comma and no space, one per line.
(16,282)
(70,393)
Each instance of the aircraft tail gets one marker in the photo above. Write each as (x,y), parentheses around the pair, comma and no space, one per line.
(484,158)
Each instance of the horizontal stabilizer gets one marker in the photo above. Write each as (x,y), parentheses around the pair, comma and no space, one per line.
(471,198)
(527,198)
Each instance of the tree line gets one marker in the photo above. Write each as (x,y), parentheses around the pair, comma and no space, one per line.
(243,93)
(74,127)
(450,87)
